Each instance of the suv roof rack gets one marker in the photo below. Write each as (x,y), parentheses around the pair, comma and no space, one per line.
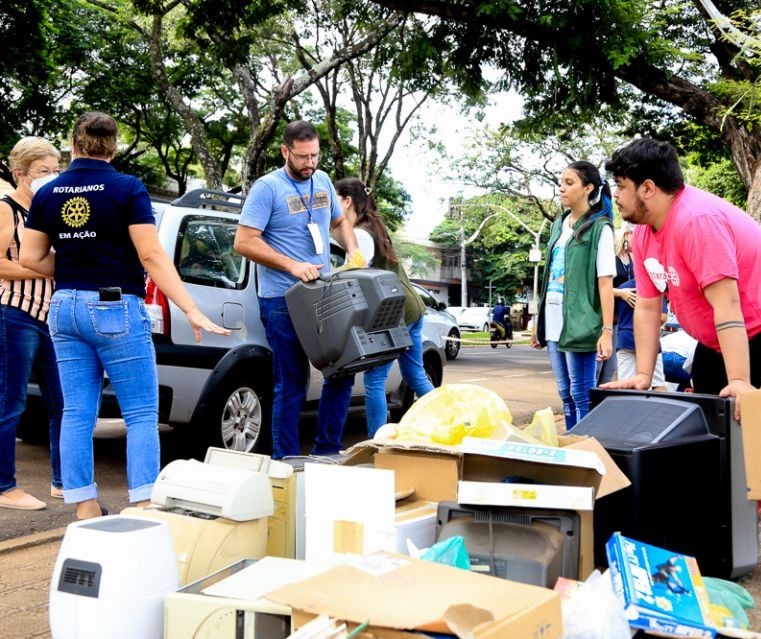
(210,199)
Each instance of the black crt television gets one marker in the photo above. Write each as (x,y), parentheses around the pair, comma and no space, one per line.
(349,321)
(683,455)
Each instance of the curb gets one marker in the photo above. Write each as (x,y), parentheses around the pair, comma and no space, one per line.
(29,541)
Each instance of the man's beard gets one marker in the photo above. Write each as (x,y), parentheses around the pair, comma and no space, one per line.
(302,174)
(638,212)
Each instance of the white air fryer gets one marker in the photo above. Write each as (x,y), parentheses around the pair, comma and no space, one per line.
(110,579)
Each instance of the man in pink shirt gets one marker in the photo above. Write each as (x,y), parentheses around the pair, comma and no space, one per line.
(704,255)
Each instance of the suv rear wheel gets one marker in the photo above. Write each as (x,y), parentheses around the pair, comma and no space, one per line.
(237,418)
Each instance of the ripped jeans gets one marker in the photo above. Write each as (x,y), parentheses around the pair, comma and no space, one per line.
(575,375)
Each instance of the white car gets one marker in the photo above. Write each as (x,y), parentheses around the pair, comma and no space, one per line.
(475,318)
(438,317)
(455,310)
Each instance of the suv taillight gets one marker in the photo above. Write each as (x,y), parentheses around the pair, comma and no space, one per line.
(157,306)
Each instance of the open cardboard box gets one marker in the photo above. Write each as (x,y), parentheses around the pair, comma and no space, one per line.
(445,473)
(750,403)
(399,595)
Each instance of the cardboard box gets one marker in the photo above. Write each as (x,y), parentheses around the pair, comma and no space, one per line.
(435,473)
(662,591)
(399,594)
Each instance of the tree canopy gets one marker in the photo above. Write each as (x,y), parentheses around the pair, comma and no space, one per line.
(580,58)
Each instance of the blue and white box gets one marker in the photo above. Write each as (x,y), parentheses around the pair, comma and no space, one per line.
(662,591)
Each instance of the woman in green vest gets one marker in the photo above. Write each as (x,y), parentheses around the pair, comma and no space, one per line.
(359,208)
(575,320)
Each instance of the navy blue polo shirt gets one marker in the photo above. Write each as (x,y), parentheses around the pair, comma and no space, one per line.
(86,212)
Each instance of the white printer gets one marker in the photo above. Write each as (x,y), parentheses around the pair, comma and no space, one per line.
(216,510)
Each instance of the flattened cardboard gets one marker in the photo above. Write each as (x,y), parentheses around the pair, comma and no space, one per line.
(400,593)
(613,479)
(750,404)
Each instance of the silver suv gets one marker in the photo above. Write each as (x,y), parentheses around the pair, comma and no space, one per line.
(221,389)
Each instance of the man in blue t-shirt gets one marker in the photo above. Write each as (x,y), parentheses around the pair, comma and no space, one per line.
(285,228)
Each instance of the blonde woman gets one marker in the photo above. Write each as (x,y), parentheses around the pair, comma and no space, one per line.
(624,272)
(25,343)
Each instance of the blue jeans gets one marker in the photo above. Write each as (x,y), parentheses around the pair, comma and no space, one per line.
(413,373)
(290,370)
(673,371)
(89,337)
(25,345)
(575,374)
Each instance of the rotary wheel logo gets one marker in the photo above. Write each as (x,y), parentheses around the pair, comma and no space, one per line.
(76,212)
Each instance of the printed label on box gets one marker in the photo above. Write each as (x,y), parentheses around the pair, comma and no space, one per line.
(533,453)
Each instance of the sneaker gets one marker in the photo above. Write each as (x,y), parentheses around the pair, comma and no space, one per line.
(56,492)
(18,499)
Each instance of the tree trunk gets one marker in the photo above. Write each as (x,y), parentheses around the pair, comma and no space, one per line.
(745,146)
(193,125)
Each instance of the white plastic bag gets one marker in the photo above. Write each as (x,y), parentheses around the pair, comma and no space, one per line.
(594,612)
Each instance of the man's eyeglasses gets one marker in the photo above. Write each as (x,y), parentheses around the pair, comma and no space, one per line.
(314,157)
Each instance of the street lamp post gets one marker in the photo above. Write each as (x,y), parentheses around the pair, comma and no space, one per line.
(535,254)
(463,244)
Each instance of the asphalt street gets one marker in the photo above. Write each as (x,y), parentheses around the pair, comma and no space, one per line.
(520,375)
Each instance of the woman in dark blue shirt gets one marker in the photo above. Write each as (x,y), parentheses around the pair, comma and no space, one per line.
(101,225)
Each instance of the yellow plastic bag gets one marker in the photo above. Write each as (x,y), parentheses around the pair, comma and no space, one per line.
(543,428)
(453,411)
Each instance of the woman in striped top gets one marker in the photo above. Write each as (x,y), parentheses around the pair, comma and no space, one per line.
(25,343)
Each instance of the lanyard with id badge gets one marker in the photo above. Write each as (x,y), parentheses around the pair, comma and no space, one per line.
(314,229)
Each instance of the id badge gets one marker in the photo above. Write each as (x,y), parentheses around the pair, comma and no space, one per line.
(314,230)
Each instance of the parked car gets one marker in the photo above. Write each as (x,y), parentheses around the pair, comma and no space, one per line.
(221,389)
(475,318)
(437,315)
(455,310)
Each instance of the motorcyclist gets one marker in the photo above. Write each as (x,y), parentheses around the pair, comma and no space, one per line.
(500,320)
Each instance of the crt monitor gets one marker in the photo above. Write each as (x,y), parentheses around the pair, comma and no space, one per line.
(683,455)
(349,321)
(628,422)
(530,545)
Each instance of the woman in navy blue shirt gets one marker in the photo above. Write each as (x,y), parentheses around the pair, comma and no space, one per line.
(101,225)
